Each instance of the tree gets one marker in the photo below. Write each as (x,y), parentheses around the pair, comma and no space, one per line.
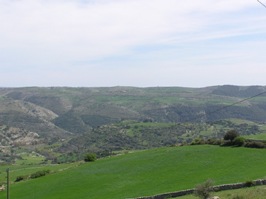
(239,141)
(90,157)
(231,135)
(204,190)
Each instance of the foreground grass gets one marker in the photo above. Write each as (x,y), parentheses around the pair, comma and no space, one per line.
(247,193)
(26,170)
(147,173)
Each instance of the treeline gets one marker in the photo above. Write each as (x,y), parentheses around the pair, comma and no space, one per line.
(134,135)
(231,138)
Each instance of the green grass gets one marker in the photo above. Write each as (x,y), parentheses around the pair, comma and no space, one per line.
(261,136)
(146,173)
(247,193)
(30,158)
(27,169)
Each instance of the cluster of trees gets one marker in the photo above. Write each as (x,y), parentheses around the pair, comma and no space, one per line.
(231,138)
(135,135)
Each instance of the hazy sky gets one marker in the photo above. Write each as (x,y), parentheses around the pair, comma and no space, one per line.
(132,43)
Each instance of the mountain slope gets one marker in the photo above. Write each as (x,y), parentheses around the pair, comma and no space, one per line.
(76,110)
(91,107)
(63,115)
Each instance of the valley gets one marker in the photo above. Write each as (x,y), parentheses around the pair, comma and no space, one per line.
(147,140)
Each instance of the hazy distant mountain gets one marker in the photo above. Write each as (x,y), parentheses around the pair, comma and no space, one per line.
(58,111)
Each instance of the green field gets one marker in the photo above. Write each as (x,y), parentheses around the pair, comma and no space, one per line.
(143,173)
(28,169)
(261,136)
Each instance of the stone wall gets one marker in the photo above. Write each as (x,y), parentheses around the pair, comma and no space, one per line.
(216,188)
(170,195)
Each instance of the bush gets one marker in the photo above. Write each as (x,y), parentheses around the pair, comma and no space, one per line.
(213,141)
(239,141)
(90,157)
(226,143)
(204,190)
(198,141)
(39,174)
(250,183)
(20,178)
(231,135)
(254,144)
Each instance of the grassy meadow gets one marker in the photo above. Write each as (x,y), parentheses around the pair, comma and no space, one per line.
(261,136)
(141,173)
(28,169)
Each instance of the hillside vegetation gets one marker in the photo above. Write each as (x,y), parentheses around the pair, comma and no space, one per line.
(59,121)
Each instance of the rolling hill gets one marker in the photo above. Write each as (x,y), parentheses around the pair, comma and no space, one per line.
(65,120)
(141,173)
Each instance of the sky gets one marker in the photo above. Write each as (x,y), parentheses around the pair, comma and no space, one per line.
(142,43)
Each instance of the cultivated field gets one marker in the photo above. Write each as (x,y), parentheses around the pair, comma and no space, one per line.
(141,173)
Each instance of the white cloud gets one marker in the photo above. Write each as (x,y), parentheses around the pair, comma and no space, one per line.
(52,35)
(102,27)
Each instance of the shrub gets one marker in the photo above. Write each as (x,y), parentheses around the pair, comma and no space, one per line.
(39,174)
(90,157)
(250,183)
(213,141)
(239,141)
(204,190)
(254,144)
(20,178)
(226,143)
(231,135)
(198,141)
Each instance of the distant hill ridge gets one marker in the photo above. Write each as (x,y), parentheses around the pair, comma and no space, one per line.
(75,110)
(237,91)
